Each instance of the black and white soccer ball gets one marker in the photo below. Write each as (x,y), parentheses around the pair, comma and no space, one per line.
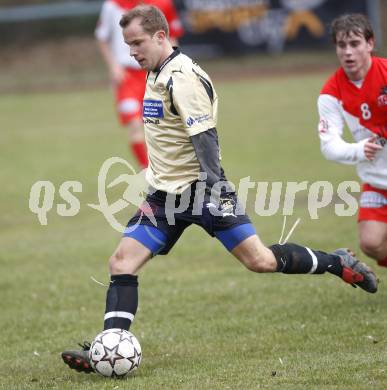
(115,353)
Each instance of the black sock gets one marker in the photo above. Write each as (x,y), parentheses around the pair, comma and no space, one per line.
(296,259)
(121,302)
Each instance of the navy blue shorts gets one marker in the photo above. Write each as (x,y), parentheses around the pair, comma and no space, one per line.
(153,227)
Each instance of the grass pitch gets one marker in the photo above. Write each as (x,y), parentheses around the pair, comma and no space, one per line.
(203,320)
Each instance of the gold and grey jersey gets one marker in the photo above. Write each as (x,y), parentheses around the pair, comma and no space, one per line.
(179,102)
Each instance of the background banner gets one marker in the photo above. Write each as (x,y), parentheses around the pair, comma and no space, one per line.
(218,27)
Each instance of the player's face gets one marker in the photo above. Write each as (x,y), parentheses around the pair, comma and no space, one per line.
(146,49)
(354,54)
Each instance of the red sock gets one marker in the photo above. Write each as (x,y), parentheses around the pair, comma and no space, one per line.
(383,262)
(140,152)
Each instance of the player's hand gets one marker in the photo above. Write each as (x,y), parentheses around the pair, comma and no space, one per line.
(117,73)
(371,147)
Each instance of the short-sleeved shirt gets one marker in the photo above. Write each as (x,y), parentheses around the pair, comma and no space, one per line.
(109,30)
(180,102)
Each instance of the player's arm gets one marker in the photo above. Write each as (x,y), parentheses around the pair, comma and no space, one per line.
(195,102)
(330,130)
(116,70)
(103,33)
(206,147)
(207,152)
(217,197)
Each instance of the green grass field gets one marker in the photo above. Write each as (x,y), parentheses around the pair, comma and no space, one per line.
(204,322)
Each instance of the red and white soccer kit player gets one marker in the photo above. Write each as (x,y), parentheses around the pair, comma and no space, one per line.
(362,105)
(128,77)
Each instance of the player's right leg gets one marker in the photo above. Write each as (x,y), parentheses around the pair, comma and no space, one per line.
(292,258)
(238,235)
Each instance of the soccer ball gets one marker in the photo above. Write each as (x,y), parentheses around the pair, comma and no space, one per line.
(115,353)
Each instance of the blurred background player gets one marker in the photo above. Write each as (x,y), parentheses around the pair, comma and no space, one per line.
(126,75)
(356,94)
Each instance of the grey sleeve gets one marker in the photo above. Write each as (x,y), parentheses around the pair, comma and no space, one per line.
(207,152)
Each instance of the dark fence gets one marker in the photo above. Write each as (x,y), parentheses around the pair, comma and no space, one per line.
(229,26)
(213,27)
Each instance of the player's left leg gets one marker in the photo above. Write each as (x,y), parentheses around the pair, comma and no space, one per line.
(373,240)
(295,259)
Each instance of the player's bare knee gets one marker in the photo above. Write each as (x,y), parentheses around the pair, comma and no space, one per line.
(257,263)
(371,246)
(255,267)
(129,257)
(116,262)
(120,262)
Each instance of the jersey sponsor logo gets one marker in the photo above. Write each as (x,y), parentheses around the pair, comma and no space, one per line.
(190,121)
(152,121)
(153,109)
(202,118)
(382,99)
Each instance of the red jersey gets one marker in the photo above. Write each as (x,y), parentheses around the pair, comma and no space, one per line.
(167,8)
(367,103)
